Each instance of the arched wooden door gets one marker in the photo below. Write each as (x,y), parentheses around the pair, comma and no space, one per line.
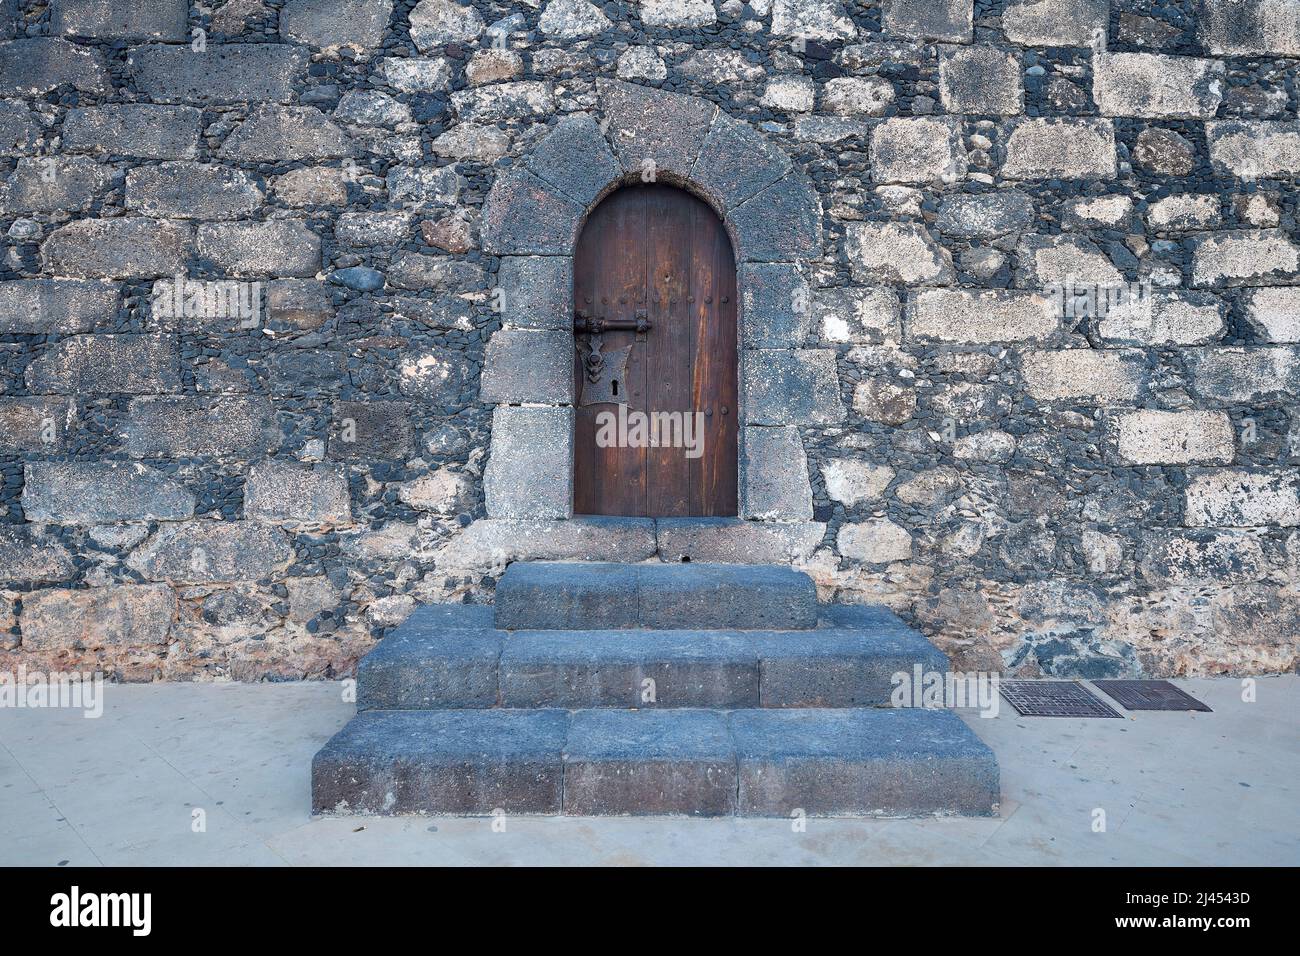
(656,422)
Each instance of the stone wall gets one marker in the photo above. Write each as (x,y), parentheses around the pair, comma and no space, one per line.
(189,489)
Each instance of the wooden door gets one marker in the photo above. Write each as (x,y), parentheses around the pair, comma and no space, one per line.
(659,254)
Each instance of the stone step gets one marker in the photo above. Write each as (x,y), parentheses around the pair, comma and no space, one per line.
(558,595)
(450,657)
(822,762)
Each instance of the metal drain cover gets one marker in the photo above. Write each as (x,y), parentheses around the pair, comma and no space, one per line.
(1150,695)
(1053,698)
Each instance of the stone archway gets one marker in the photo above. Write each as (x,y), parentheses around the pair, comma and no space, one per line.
(531,220)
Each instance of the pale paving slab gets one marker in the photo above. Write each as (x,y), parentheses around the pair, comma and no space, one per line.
(120,789)
(33,831)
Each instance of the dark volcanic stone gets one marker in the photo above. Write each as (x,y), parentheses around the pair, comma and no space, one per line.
(1164,152)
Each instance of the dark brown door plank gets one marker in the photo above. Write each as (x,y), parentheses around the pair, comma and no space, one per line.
(660,249)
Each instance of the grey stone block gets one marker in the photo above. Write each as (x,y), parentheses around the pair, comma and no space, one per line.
(791,387)
(858,316)
(101,492)
(736,162)
(291,372)
(134,129)
(488,541)
(585,596)
(199,552)
(285,491)
(330,24)
(986,215)
(29,557)
(300,303)
(1041,23)
(736,541)
(981,317)
(36,424)
(434,375)
(1245,375)
(897,253)
(628,668)
(449,761)
(829,666)
(536,292)
(838,667)
(849,96)
(429,621)
(287,134)
(523,365)
(361,229)
(1061,148)
(1244,257)
(121,19)
(1242,498)
(129,615)
(725,596)
(118,248)
(642,762)
(441,310)
(950,20)
(524,215)
(1153,86)
(775,469)
(1046,260)
(861,761)
(918,150)
(223,74)
(371,430)
(1164,152)
(529,473)
(241,426)
(1250,29)
(184,190)
(413,270)
(442,656)
(424,185)
(867,616)
(782,223)
(563,596)
(504,101)
(107,364)
(654,126)
(20,130)
(776,305)
(37,65)
(575,159)
(57,305)
(435,23)
(981,79)
(51,184)
(279,247)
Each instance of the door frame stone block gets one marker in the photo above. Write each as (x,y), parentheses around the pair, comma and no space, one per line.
(532,219)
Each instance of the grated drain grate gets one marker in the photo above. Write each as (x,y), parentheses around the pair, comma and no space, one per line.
(1150,695)
(1054,698)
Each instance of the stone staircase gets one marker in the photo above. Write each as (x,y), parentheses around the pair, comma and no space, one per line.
(702,689)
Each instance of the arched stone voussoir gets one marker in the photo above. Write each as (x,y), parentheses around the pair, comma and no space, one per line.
(667,129)
(575,158)
(781,223)
(525,215)
(736,162)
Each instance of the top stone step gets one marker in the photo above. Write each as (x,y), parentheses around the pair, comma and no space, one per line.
(555,595)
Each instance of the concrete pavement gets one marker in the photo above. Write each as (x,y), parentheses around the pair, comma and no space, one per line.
(1170,789)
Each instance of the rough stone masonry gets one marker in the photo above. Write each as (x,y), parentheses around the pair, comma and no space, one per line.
(246,305)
